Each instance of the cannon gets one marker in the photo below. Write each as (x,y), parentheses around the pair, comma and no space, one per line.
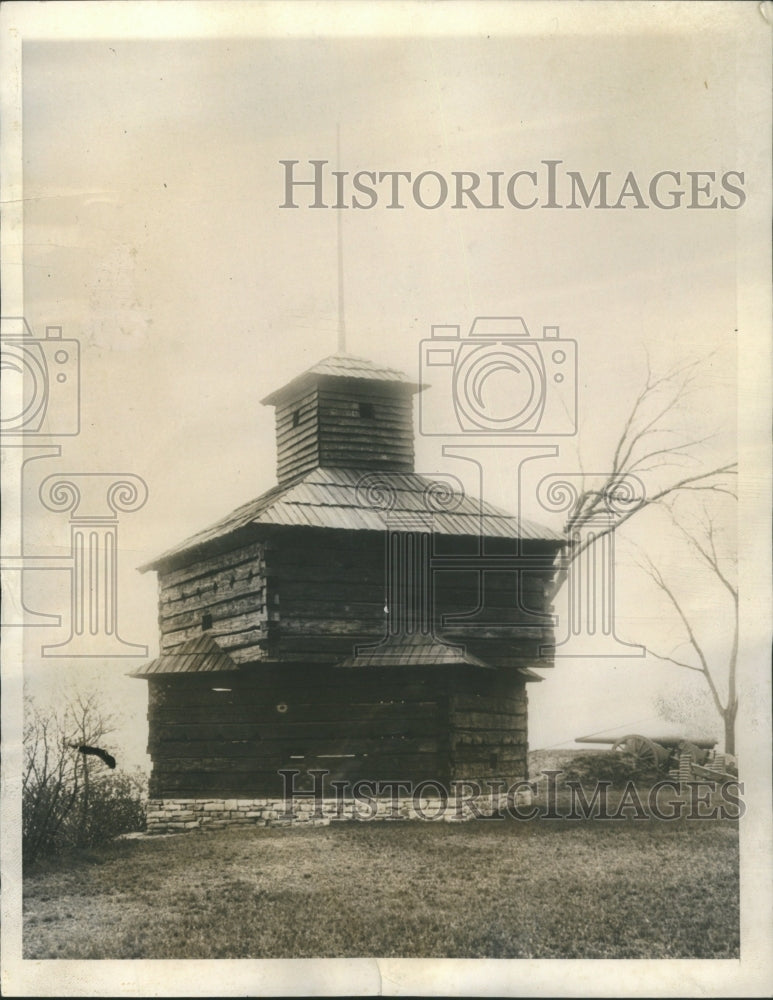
(658,753)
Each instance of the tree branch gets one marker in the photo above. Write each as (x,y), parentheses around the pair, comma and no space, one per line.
(678,663)
(704,668)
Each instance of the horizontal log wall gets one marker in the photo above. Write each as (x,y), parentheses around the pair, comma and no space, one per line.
(329,588)
(232,741)
(310,595)
(349,439)
(297,436)
(345,423)
(231,589)
(326,593)
(488,726)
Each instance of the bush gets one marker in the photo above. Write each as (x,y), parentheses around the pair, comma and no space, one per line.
(70,799)
(608,765)
(116,805)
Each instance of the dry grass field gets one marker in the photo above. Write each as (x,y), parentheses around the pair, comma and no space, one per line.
(501,889)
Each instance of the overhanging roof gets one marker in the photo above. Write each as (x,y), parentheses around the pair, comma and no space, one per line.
(199,655)
(346,499)
(343,366)
(203,655)
(412,651)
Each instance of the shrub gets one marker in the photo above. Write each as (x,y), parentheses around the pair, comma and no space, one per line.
(70,799)
(116,804)
(608,765)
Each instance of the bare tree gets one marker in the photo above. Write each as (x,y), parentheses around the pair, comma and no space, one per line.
(651,463)
(655,463)
(50,781)
(57,779)
(701,541)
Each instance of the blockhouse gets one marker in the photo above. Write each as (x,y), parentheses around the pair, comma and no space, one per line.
(359,618)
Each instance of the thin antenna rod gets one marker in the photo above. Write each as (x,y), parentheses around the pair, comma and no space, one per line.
(339,225)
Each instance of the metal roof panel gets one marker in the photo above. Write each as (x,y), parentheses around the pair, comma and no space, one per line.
(412,651)
(200,654)
(330,498)
(344,365)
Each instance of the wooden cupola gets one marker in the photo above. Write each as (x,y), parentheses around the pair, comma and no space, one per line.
(344,412)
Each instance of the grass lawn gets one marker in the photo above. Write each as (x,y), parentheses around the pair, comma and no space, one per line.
(503,889)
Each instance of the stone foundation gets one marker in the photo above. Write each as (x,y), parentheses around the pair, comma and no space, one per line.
(182,815)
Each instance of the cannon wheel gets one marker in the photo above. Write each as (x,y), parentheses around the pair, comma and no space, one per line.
(644,752)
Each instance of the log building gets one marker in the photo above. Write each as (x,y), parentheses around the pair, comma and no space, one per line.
(358,618)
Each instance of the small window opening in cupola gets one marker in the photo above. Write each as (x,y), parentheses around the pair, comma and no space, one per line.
(367,411)
(296,417)
(206,621)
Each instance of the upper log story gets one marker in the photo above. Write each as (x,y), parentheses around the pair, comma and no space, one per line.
(311,595)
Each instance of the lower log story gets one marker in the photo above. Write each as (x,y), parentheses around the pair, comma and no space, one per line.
(230,733)
(221,778)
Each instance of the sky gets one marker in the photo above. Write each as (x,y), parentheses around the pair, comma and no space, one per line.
(153,234)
